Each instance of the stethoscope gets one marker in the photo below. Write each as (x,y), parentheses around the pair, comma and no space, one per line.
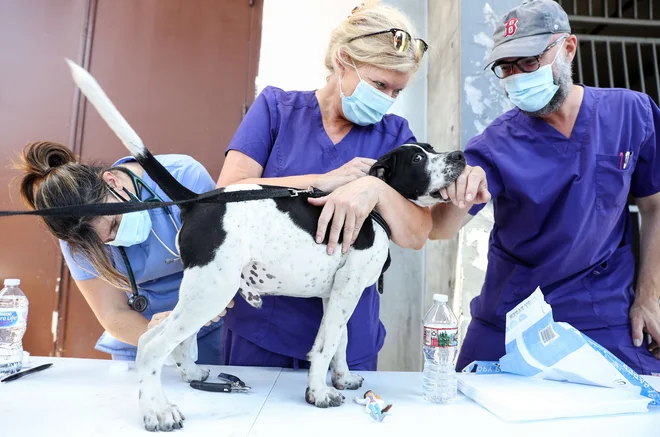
(136,301)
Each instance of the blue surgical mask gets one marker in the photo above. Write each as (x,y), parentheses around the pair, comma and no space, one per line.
(532,91)
(134,227)
(366,105)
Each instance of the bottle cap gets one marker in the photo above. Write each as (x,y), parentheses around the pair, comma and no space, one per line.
(12,282)
(440,298)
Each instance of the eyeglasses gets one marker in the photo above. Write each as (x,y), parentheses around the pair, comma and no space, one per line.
(526,65)
(400,40)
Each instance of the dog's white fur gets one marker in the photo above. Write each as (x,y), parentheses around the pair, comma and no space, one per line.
(281,255)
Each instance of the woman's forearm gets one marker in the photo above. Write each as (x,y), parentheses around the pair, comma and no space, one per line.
(300,182)
(125,325)
(410,224)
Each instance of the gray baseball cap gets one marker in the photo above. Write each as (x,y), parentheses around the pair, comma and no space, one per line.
(526,29)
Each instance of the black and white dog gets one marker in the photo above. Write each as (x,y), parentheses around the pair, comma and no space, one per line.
(266,248)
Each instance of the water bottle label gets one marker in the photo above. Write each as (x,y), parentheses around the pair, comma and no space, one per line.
(440,337)
(13,317)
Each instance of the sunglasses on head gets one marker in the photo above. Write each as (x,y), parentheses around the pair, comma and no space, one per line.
(401,40)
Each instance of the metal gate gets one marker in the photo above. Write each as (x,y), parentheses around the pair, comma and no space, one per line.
(618,42)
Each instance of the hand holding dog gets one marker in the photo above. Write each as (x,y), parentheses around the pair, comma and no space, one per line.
(471,188)
(352,170)
(347,207)
(159,317)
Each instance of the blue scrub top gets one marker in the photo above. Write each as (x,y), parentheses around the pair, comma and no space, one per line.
(157,277)
(283,132)
(560,204)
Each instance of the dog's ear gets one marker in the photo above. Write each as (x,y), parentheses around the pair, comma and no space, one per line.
(384,167)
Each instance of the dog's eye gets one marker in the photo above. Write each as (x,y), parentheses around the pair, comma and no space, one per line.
(418,158)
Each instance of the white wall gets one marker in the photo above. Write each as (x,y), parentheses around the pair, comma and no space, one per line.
(306,25)
(483,100)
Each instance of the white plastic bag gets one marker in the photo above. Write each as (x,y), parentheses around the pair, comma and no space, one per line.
(539,347)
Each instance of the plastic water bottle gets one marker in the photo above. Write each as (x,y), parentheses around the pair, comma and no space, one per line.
(13,322)
(440,346)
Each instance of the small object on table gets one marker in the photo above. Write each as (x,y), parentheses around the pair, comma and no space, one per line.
(23,373)
(374,405)
(233,384)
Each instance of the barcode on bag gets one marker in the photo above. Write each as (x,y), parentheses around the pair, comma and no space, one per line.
(548,335)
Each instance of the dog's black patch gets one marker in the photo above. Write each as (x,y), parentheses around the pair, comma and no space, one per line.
(252,280)
(306,217)
(198,248)
(269,276)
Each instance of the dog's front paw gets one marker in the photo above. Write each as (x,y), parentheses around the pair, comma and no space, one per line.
(346,381)
(163,419)
(194,373)
(324,397)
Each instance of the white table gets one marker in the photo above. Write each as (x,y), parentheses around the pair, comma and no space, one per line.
(78,397)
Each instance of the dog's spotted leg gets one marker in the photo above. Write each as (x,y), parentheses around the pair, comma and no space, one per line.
(204,293)
(346,291)
(342,378)
(149,365)
(189,370)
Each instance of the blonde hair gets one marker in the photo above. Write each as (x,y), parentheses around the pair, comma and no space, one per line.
(375,50)
(52,177)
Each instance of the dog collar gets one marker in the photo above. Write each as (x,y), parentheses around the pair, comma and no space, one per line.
(381,221)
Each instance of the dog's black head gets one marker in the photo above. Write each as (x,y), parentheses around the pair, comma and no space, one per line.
(418,172)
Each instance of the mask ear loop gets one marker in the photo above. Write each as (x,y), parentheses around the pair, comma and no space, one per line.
(558,51)
(341,78)
(555,58)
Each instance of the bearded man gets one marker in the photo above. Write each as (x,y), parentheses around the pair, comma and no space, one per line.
(559,168)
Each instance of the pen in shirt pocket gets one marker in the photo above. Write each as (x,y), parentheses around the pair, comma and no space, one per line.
(626,159)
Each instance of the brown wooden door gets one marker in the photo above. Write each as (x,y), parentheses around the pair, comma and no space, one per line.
(180,71)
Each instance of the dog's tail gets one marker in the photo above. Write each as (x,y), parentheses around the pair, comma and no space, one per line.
(95,94)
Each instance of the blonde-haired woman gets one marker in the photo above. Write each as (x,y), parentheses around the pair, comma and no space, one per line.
(328,139)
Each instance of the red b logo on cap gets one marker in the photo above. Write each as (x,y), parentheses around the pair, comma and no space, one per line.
(510,27)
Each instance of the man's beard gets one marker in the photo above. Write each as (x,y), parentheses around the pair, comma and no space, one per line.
(562,72)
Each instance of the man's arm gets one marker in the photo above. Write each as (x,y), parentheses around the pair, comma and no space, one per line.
(645,312)
(471,188)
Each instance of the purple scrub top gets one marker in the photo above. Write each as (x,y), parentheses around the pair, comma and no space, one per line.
(283,132)
(562,220)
